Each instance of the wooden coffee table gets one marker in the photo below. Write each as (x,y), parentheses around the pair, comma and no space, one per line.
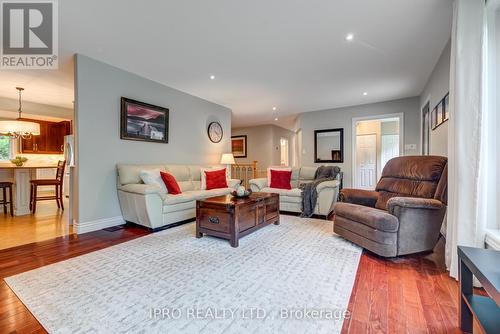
(230,218)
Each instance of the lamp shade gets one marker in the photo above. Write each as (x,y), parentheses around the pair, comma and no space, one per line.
(19,127)
(227,159)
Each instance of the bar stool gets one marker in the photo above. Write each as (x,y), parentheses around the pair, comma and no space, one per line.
(57,183)
(4,186)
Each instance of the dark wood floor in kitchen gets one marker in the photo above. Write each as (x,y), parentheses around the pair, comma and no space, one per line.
(412,294)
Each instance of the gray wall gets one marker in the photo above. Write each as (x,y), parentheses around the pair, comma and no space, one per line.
(98,90)
(259,145)
(436,88)
(263,144)
(342,118)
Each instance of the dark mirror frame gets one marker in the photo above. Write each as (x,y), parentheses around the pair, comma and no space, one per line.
(341,130)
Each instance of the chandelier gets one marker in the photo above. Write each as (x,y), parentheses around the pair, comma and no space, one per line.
(19,127)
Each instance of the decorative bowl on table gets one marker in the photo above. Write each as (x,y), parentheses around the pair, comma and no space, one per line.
(19,161)
(246,193)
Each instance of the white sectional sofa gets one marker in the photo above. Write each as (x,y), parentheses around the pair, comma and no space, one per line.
(149,206)
(291,200)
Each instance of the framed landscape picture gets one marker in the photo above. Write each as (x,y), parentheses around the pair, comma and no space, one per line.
(434,117)
(446,107)
(142,121)
(441,112)
(239,146)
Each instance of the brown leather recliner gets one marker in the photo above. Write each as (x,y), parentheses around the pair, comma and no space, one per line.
(405,212)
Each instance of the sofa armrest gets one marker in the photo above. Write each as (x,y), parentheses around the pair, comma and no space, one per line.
(359,196)
(142,204)
(258,184)
(141,189)
(327,184)
(328,192)
(413,203)
(233,183)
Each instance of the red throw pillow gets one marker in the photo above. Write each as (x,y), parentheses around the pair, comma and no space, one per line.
(171,183)
(216,179)
(280,179)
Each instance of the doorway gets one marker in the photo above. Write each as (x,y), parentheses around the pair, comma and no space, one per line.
(376,140)
(41,151)
(284,149)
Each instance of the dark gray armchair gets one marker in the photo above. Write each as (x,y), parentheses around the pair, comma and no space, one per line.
(405,212)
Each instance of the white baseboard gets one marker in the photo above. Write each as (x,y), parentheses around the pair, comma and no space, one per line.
(94,225)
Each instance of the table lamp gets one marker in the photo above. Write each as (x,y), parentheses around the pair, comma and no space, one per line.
(228,160)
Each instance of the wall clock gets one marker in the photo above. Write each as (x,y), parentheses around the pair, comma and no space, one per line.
(215,132)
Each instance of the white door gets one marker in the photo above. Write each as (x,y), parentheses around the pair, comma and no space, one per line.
(389,148)
(284,152)
(366,161)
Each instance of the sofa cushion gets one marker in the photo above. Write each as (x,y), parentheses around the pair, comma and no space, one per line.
(214,192)
(275,168)
(215,179)
(187,196)
(307,173)
(375,218)
(179,207)
(410,176)
(203,183)
(152,177)
(195,172)
(180,172)
(294,192)
(128,174)
(280,179)
(170,183)
(380,242)
(186,185)
(193,195)
(292,196)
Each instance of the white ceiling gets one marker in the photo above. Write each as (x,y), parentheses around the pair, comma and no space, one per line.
(284,53)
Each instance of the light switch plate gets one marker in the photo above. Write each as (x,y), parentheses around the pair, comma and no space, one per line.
(410,146)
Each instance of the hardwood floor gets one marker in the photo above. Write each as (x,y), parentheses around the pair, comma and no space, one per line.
(48,223)
(411,294)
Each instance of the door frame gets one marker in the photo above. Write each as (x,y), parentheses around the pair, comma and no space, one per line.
(355,120)
(426,101)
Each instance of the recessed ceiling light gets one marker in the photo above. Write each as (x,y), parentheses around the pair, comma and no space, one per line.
(276,119)
(349,37)
(212,77)
(274,108)
(365,93)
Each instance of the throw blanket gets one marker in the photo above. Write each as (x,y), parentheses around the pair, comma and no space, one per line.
(309,193)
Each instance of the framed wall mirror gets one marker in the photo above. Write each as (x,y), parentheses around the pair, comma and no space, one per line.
(329,145)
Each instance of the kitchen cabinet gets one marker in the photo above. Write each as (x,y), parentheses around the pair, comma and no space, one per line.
(50,140)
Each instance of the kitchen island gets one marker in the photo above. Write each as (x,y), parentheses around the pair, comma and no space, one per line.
(21,176)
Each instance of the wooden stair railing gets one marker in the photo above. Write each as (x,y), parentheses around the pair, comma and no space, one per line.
(244,172)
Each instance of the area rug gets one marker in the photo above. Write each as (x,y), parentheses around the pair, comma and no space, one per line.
(295,277)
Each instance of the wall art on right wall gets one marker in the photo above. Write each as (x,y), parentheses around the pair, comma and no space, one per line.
(441,112)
